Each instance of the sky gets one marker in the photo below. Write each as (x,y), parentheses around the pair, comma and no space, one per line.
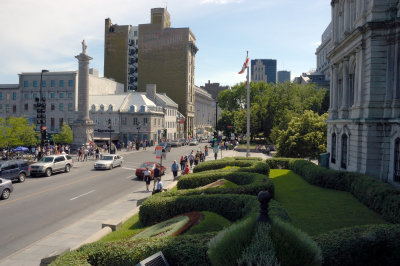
(47,34)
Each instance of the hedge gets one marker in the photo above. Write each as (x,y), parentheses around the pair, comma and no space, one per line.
(254,166)
(232,207)
(361,245)
(180,250)
(249,183)
(373,193)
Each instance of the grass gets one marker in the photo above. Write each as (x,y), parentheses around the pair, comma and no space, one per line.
(212,222)
(130,227)
(317,210)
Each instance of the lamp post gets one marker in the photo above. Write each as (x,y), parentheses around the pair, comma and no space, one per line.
(216,115)
(42,107)
(109,128)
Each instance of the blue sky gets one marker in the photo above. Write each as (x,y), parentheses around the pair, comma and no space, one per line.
(47,34)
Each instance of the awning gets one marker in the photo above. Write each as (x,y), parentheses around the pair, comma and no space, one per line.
(105,136)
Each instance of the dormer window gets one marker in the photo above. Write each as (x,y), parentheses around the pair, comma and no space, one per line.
(102,107)
(143,108)
(132,108)
(110,108)
(93,108)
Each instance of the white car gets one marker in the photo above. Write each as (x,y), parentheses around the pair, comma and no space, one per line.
(193,143)
(109,161)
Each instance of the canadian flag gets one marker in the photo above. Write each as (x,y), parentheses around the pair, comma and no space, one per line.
(245,65)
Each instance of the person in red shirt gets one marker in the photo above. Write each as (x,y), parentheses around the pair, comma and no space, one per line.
(187,169)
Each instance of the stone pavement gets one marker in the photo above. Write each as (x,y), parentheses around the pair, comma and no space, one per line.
(95,225)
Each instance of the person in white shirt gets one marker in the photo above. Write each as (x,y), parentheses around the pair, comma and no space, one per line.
(159,186)
(147,177)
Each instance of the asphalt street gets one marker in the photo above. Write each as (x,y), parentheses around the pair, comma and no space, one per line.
(42,205)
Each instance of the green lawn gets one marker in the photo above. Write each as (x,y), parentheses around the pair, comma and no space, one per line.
(316,210)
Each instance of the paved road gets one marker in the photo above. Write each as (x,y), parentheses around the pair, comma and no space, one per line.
(41,206)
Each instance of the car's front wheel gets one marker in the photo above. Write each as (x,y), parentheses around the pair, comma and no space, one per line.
(48,172)
(67,168)
(21,177)
(5,194)
(111,166)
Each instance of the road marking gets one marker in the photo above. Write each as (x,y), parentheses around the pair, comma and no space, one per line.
(82,195)
(128,168)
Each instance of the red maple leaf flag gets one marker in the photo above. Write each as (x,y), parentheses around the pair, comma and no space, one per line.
(245,65)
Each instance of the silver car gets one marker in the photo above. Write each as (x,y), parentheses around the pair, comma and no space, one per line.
(109,161)
(6,187)
(52,164)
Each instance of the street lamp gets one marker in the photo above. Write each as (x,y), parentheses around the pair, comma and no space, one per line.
(43,108)
(216,115)
(109,128)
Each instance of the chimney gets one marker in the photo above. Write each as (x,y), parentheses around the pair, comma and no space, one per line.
(151,91)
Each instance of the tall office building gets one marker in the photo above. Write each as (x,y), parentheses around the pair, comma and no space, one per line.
(263,70)
(283,76)
(121,54)
(167,58)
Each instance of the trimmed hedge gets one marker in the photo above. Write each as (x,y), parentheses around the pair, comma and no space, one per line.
(253,166)
(242,158)
(249,183)
(373,193)
(362,245)
(292,246)
(180,250)
(232,207)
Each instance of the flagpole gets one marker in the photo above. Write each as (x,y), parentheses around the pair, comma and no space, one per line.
(248,111)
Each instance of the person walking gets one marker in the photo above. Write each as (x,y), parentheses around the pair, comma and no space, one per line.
(156,176)
(175,168)
(206,151)
(182,164)
(191,159)
(97,153)
(85,154)
(187,169)
(147,177)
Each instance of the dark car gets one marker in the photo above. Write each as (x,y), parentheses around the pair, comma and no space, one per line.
(6,188)
(152,166)
(165,145)
(176,143)
(14,170)
(183,142)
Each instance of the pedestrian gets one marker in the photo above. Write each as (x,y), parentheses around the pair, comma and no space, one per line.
(147,177)
(97,153)
(187,169)
(159,186)
(144,145)
(182,163)
(85,154)
(191,159)
(175,168)
(206,151)
(196,158)
(156,175)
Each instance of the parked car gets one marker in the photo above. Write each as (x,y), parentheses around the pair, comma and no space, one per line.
(6,187)
(109,161)
(165,145)
(51,164)
(152,166)
(193,142)
(183,142)
(14,170)
(175,143)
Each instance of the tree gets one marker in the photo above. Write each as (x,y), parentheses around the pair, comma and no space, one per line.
(304,137)
(65,136)
(16,131)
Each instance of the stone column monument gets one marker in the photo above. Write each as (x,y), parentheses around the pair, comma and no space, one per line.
(82,127)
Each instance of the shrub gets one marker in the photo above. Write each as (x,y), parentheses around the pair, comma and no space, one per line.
(164,229)
(242,158)
(260,251)
(292,246)
(276,210)
(254,166)
(361,245)
(212,222)
(227,246)
(232,207)
(278,163)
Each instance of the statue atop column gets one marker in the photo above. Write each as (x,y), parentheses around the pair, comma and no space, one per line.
(84,46)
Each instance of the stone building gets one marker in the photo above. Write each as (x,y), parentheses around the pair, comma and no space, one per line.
(214,88)
(121,54)
(322,53)
(204,120)
(263,70)
(363,124)
(167,58)
(10,100)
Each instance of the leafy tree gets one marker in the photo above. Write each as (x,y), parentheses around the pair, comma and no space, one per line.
(304,137)
(65,136)
(16,131)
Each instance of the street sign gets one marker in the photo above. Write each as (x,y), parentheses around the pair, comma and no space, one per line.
(158,152)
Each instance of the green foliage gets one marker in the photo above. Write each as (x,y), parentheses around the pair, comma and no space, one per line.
(128,228)
(245,166)
(368,245)
(305,136)
(260,251)
(227,246)
(16,131)
(232,207)
(292,246)
(278,163)
(212,222)
(65,136)
(164,228)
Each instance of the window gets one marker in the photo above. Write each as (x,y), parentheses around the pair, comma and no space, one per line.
(26,83)
(96,120)
(60,122)
(70,95)
(1,108)
(43,83)
(26,96)
(135,122)
(35,83)
(70,107)
(52,95)
(343,162)
(333,148)
(52,83)
(1,96)
(14,108)
(61,83)
(26,107)
(43,95)
(52,107)
(61,107)
(70,83)
(101,107)
(135,33)
(159,121)
(52,123)
(35,95)
(61,95)
(155,121)
(123,121)
(144,120)
(7,108)
(14,96)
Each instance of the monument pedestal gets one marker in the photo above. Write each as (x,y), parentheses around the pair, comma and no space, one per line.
(83,133)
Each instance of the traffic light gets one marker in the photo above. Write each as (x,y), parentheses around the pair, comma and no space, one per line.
(215,135)
(165,133)
(44,135)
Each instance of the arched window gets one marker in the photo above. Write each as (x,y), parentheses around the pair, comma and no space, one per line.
(343,162)
(333,148)
(396,176)
(110,108)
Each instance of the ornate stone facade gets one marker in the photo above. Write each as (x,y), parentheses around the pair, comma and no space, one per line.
(364,113)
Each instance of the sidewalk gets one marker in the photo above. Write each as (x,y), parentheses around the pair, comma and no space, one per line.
(90,228)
